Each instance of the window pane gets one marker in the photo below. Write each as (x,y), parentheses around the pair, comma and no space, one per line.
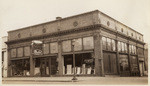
(46,48)
(132,49)
(13,52)
(104,43)
(88,43)
(135,49)
(122,45)
(119,46)
(20,52)
(113,45)
(78,44)
(108,44)
(125,47)
(140,51)
(66,45)
(27,51)
(54,47)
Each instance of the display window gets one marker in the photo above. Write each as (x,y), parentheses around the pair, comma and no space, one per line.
(45,66)
(84,64)
(124,65)
(21,67)
(134,64)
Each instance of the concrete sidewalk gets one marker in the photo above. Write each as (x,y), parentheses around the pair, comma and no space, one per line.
(107,80)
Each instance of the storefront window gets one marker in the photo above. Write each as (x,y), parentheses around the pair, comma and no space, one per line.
(84,64)
(13,53)
(104,43)
(88,43)
(21,67)
(134,66)
(78,44)
(54,47)
(66,45)
(113,45)
(124,66)
(26,51)
(108,44)
(45,66)
(45,48)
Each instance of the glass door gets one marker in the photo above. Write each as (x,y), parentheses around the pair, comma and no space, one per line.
(44,67)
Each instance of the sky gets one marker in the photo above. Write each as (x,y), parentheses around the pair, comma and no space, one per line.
(15,14)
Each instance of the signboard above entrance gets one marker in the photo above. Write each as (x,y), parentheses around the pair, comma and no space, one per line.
(37,47)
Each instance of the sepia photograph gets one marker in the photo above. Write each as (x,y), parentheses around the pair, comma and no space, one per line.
(74,42)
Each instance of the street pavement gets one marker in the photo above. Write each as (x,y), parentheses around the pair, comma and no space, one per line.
(108,80)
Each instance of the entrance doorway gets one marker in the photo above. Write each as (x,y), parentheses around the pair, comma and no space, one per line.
(45,66)
(110,65)
(141,67)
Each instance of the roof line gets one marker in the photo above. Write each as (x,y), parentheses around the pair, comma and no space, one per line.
(55,20)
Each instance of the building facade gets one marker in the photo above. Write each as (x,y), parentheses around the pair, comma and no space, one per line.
(102,45)
(4,57)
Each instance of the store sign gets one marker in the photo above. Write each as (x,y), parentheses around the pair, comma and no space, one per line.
(37,47)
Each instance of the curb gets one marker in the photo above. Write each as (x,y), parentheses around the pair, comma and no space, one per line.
(44,80)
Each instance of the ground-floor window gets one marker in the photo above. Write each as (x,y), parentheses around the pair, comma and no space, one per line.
(84,64)
(21,67)
(45,66)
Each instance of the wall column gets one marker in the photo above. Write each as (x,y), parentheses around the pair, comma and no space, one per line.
(98,54)
(60,59)
(31,61)
(129,60)
(117,55)
(9,70)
